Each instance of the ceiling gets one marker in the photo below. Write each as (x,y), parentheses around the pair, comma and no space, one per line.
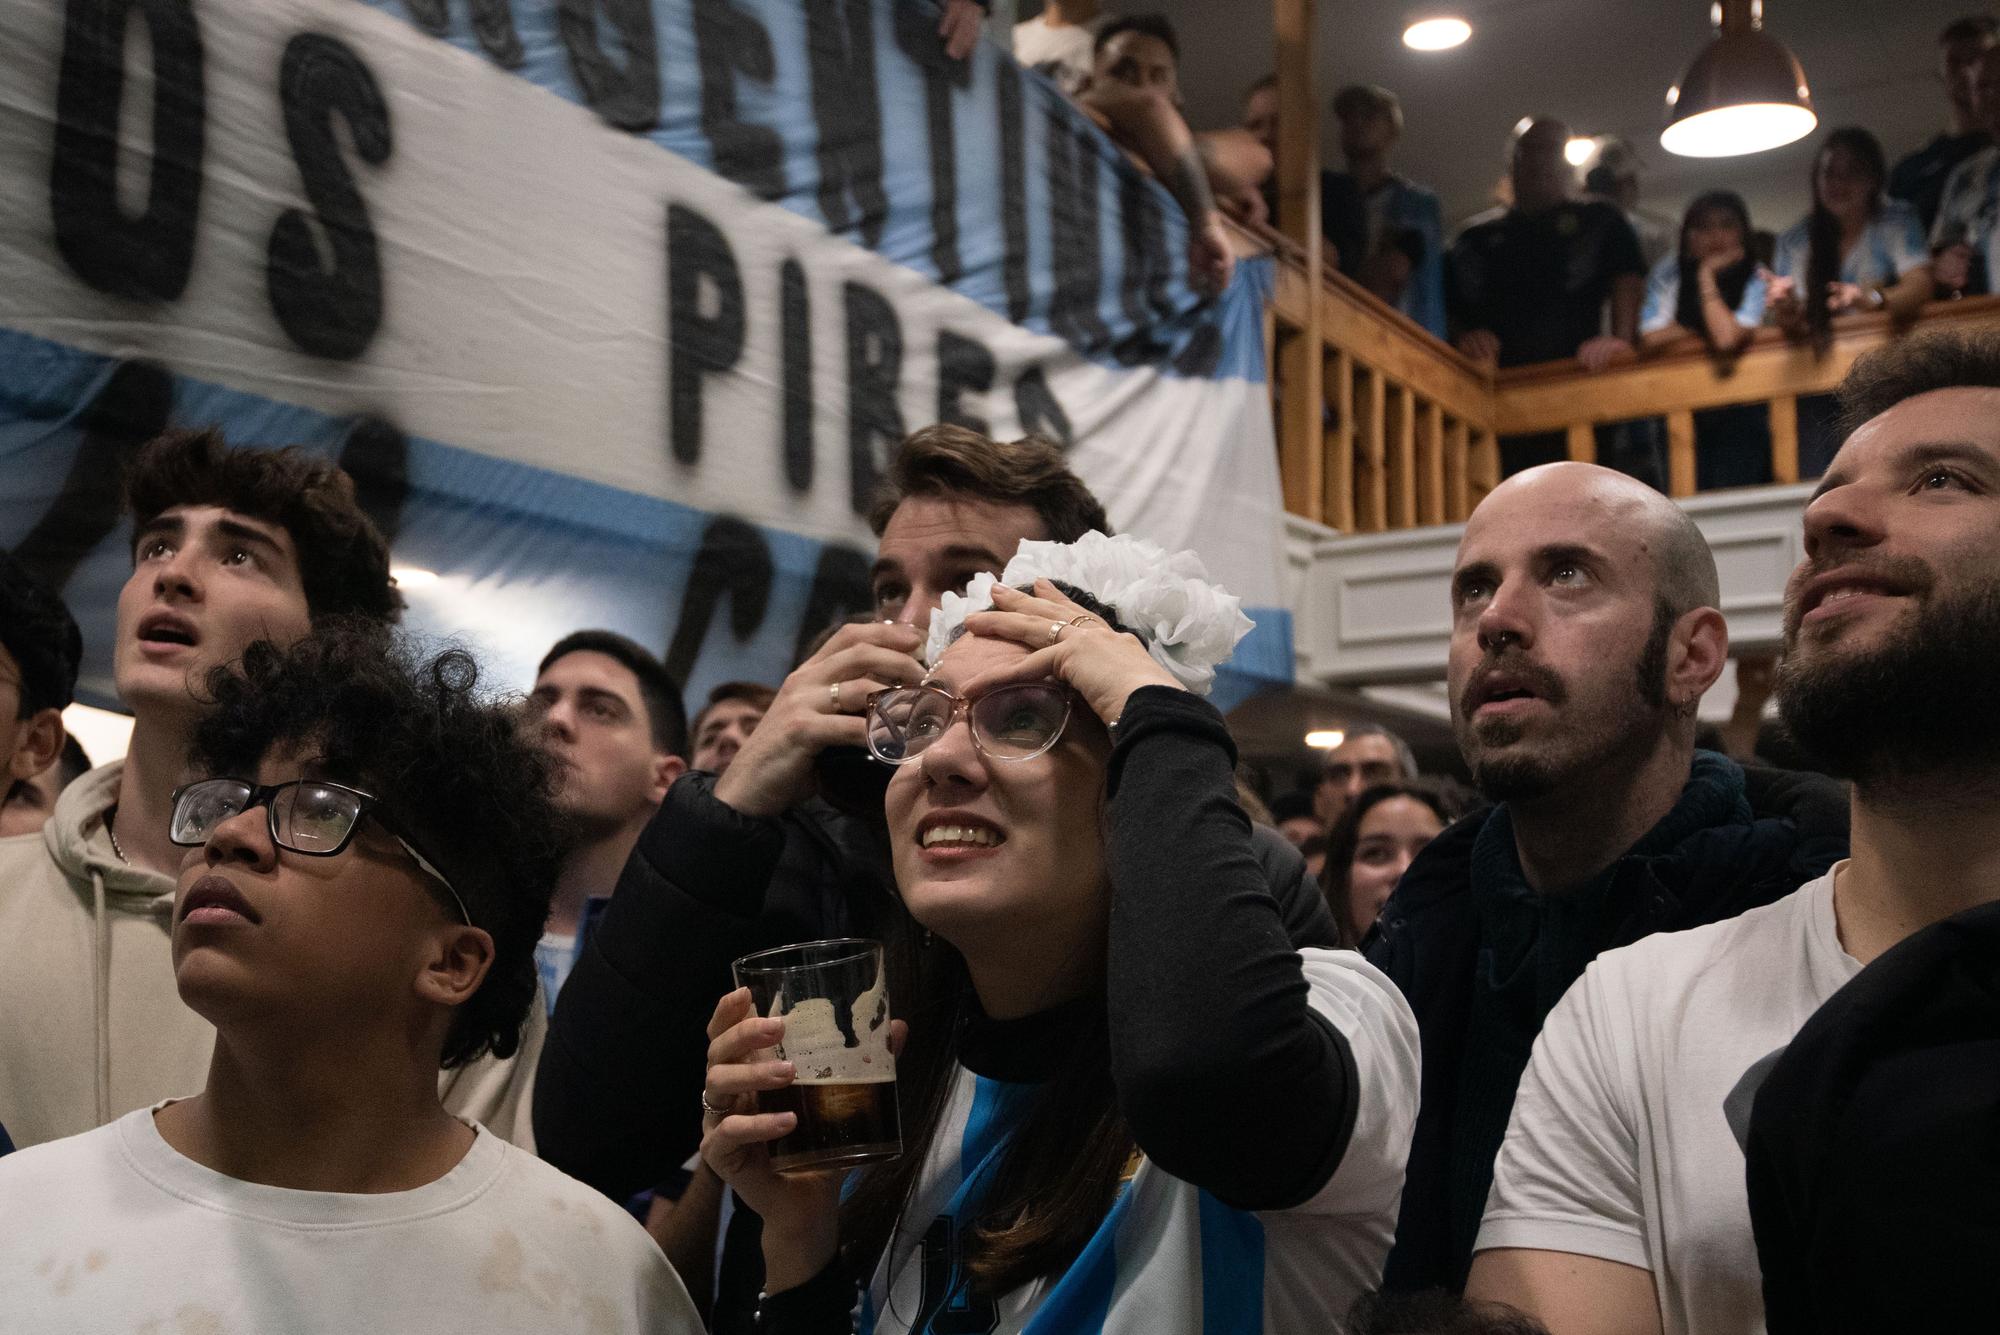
(1602,65)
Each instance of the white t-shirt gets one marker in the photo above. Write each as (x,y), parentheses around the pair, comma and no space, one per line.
(1065,54)
(114,1230)
(1168,1258)
(1619,1146)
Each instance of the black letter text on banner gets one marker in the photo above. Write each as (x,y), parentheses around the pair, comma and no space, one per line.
(149,256)
(330,313)
(847,116)
(628,95)
(734,561)
(726,41)
(699,341)
(796,373)
(874,366)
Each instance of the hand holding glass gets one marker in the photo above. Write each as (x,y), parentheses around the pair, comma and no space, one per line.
(834,999)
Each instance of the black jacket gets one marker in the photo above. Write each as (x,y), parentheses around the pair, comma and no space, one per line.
(617,1094)
(1483,959)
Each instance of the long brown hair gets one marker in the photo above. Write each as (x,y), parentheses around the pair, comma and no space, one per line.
(1059,1173)
(1823,229)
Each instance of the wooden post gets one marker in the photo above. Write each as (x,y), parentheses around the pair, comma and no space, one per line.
(1402,458)
(1785,438)
(1457,471)
(1340,443)
(1485,467)
(1301,452)
(1371,504)
(1582,443)
(1430,464)
(1298,130)
(1680,453)
(1303,448)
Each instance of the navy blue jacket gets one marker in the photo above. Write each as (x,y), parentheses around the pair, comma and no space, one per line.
(1483,958)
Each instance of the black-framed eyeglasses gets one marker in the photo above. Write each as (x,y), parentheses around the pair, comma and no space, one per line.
(310,816)
(1008,723)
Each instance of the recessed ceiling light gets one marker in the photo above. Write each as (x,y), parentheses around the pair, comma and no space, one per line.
(1325,739)
(412,577)
(1578,151)
(1440,34)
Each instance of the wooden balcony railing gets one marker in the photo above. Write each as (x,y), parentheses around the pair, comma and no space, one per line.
(1397,430)
(1403,432)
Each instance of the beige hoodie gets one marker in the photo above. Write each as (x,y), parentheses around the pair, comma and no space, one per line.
(91,1025)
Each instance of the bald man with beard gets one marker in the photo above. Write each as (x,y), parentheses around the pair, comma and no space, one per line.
(1585,631)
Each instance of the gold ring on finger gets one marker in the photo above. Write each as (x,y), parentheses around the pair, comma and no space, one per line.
(1056,630)
(1085,620)
(711,1109)
(833,694)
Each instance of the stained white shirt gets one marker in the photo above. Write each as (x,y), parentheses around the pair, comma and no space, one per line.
(115,1230)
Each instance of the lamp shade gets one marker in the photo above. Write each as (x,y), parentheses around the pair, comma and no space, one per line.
(1744,93)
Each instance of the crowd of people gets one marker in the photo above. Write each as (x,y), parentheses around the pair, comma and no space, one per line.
(387,991)
(359,994)
(1575,268)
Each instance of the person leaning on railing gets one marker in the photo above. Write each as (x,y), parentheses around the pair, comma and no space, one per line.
(1134,96)
(1713,290)
(1854,251)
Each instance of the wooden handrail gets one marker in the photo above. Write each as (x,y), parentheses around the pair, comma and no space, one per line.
(1380,425)
(1555,395)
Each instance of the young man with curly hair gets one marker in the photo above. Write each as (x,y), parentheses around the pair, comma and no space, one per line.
(369,850)
(229,547)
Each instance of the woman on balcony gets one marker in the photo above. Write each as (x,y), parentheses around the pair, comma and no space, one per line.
(1857,251)
(1711,289)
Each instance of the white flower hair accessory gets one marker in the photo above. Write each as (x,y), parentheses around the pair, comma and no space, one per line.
(1187,624)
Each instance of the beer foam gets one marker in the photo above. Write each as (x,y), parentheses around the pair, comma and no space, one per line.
(818,1048)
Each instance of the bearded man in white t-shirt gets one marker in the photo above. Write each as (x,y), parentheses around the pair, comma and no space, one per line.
(368,851)
(1618,1204)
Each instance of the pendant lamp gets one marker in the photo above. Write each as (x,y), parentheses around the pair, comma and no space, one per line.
(1744,93)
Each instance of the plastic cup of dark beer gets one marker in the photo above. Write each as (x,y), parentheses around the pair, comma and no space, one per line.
(834,1000)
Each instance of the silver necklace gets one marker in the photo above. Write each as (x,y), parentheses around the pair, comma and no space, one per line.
(109,829)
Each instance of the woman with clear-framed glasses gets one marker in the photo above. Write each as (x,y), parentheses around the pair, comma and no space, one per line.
(1128,1103)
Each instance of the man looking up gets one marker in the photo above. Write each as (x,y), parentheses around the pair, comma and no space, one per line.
(370,851)
(1401,259)
(229,547)
(1919,178)
(1619,1202)
(733,711)
(40,651)
(1532,284)
(1369,754)
(612,719)
(1584,633)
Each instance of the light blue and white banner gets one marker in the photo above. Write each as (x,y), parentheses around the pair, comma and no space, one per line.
(613,308)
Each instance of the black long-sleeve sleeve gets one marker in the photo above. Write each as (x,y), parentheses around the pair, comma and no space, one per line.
(1227,1077)
(617,1092)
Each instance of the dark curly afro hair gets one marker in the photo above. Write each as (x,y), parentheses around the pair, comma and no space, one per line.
(451,766)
